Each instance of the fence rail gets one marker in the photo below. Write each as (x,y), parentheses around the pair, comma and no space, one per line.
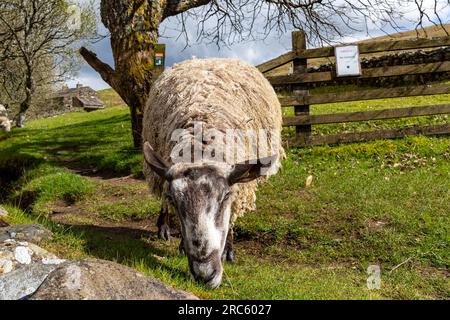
(367,115)
(372,135)
(388,71)
(300,98)
(368,47)
(424,90)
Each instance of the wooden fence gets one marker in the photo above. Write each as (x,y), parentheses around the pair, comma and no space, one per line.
(300,98)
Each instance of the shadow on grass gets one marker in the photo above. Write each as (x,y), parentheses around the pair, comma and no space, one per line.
(125,245)
(101,144)
(12,167)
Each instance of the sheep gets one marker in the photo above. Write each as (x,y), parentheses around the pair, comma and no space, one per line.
(3,111)
(206,178)
(5,124)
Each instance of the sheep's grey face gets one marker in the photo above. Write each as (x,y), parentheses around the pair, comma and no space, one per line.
(200,193)
(201,197)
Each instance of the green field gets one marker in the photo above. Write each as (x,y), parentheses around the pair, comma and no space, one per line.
(383,203)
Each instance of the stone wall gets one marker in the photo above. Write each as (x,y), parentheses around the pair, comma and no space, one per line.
(403,58)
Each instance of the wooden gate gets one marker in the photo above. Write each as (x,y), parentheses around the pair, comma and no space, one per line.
(298,82)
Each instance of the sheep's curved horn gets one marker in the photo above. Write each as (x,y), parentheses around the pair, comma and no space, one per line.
(248,171)
(155,161)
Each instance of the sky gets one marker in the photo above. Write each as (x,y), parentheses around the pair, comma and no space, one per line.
(254,52)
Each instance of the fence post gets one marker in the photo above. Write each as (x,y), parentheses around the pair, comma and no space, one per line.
(300,66)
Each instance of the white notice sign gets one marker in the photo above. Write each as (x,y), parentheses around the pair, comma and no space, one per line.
(347,61)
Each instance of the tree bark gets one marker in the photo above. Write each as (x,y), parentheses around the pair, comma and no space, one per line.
(133,25)
(26,103)
(134,33)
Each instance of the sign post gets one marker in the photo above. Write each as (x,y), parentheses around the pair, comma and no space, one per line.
(300,66)
(159,61)
(347,61)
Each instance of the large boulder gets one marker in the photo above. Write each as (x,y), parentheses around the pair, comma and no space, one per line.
(19,284)
(30,232)
(23,267)
(104,280)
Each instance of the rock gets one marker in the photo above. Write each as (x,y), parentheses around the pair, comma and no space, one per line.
(30,232)
(15,255)
(23,255)
(20,283)
(23,267)
(6,266)
(104,280)
(45,256)
(3,212)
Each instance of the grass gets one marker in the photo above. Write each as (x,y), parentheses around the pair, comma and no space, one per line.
(380,203)
(368,105)
(124,209)
(51,183)
(100,140)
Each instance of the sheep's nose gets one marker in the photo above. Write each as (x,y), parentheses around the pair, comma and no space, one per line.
(208,273)
(205,271)
(215,281)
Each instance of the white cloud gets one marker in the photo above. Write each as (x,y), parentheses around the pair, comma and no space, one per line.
(88,79)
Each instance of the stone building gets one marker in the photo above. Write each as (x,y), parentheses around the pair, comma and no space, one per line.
(80,97)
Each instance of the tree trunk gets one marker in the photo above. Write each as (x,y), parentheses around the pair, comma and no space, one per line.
(26,103)
(134,33)
(136,126)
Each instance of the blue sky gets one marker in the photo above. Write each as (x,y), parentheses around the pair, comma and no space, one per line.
(254,52)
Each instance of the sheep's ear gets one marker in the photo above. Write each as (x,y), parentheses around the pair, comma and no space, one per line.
(248,171)
(158,165)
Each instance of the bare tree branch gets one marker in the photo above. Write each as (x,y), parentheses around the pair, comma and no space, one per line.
(174,7)
(225,22)
(36,38)
(106,72)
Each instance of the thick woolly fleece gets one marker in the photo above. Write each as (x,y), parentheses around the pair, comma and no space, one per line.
(5,124)
(3,111)
(221,94)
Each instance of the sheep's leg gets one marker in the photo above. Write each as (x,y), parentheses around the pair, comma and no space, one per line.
(163,221)
(228,252)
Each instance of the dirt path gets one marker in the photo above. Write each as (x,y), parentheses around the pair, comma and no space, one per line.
(123,192)
(110,190)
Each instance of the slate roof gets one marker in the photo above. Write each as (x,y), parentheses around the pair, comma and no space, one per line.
(84,96)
